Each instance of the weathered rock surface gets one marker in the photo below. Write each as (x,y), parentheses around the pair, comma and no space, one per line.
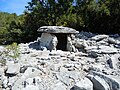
(112,81)
(99,83)
(94,65)
(84,84)
(13,68)
(56,29)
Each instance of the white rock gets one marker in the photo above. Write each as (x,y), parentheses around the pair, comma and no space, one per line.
(45,39)
(13,68)
(69,44)
(33,80)
(2,71)
(102,49)
(31,73)
(12,80)
(69,77)
(49,41)
(58,86)
(1,48)
(107,50)
(53,43)
(4,80)
(31,87)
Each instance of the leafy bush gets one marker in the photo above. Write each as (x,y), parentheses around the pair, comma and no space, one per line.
(12,51)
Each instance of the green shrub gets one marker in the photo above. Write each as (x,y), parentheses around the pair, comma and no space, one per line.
(12,51)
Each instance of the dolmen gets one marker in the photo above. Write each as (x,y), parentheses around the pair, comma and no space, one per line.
(57,38)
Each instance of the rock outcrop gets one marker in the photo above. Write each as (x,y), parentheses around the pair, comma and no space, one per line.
(95,65)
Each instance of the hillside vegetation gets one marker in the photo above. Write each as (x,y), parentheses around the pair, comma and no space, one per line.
(98,16)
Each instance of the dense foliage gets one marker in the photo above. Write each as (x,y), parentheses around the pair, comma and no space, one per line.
(99,16)
(10,28)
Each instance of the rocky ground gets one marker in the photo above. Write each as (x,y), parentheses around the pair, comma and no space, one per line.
(94,66)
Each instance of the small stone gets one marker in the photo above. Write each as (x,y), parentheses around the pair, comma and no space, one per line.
(13,69)
(22,69)
(30,87)
(93,54)
(112,41)
(68,65)
(112,62)
(99,37)
(4,80)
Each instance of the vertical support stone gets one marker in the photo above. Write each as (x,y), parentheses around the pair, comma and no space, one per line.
(69,43)
(53,43)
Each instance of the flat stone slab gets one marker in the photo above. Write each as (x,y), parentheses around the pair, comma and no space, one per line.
(102,50)
(56,29)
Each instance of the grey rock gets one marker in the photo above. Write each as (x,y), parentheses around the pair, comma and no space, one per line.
(22,69)
(68,65)
(56,29)
(99,37)
(85,35)
(113,81)
(34,45)
(112,41)
(117,45)
(69,77)
(99,83)
(113,61)
(83,84)
(93,54)
(81,44)
(102,49)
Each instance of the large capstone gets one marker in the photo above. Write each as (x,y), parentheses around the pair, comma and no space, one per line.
(56,29)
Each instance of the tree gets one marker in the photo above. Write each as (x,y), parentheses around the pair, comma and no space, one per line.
(46,12)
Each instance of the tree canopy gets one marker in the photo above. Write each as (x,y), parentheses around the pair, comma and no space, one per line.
(98,16)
